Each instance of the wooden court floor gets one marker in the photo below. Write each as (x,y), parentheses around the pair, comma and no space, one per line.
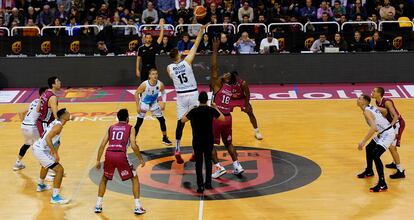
(326,132)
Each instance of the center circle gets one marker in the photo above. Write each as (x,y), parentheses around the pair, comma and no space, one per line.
(266,172)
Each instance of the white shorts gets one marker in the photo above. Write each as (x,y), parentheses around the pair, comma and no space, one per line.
(30,134)
(45,158)
(155,110)
(185,102)
(385,139)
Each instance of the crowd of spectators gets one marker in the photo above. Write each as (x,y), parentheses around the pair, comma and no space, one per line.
(69,13)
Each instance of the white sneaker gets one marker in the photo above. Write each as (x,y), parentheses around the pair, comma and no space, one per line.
(258,135)
(139,211)
(98,209)
(237,169)
(18,166)
(58,200)
(220,172)
(42,187)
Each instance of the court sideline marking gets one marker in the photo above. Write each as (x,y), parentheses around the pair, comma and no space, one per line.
(201,208)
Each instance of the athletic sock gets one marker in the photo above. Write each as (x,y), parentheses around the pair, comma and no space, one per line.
(18,161)
(236,163)
(256,130)
(99,201)
(41,181)
(55,192)
(177,145)
(164,136)
(400,168)
(137,203)
(219,165)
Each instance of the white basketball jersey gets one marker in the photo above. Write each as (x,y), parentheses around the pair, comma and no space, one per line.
(41,143)
(32,114)
(381,122)
(183,77)
(150,95)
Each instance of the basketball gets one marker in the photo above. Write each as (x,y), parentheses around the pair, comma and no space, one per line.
(200,12)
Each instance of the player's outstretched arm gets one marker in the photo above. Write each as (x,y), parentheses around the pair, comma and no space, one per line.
(101,150)
(162,22)
(215,82)
(190,57)
(135,147)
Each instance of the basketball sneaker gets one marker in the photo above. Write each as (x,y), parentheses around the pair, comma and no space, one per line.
(365,174)
(237,168)
(192,158)
(380,187)
(398,175)
(18,166)
(220,172)
(258,135)
(166,141)
(58,200)
(98,209)
(178,157)
(42,187)
(139,211)
(391,165)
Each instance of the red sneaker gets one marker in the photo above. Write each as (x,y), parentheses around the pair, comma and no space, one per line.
(192,158)
(178,157)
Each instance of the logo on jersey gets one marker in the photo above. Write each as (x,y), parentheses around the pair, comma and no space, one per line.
(17,47)
(163,178)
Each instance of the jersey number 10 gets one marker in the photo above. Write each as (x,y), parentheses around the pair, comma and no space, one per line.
(117,135)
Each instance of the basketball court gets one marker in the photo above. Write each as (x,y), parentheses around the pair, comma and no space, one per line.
(304,168)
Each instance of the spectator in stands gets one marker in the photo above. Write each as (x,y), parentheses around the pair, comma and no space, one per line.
(103,49)
(31,14)
(100,22)
(401,10)
(357,44)
(340,42)
(294,28)
(181,29)
(194,29)
(327,28)
(276,14)
(260,10)
(62,14)
(217,2)
(30,32)
(66,4)
(387,12)
(324,8)
(75,13)
(15,32)
(308,12)
(165,47)
(213,10)
(338,10)
(117,21)
(269,44)
(184,44)
(58,32)
(377,44)
(359,27)
(103,11)
(227,28)
(166,10)
(357,9)
(184,12)
(72,23)
(185,3)
(205,45)
(45,17)
(130,30)
(317,45)
(245,45)
(78,4)
(373,18)
(291,8)
(87,31)
(226,47)
(150,15)
(229,12)
(17,17)
(246,10)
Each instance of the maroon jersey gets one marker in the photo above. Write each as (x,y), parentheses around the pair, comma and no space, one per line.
(382,105)
(222,98)
(237,90)
(118,136)
(46,114)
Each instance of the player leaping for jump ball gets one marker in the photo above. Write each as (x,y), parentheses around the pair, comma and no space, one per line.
(222,93)
(146,98)
(181,72)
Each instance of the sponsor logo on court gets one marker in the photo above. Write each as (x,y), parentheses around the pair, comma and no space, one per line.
(266,172)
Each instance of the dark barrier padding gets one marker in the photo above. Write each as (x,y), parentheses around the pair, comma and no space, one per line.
(262,69)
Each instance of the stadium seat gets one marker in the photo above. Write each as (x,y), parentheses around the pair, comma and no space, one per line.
(404,24)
